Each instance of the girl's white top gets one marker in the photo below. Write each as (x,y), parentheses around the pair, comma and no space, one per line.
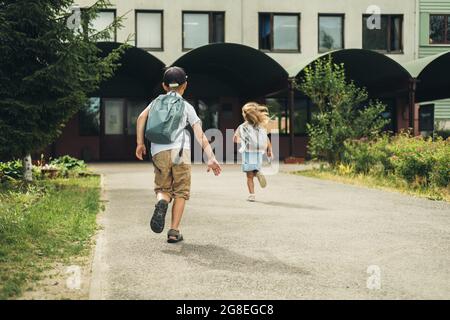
(253,138)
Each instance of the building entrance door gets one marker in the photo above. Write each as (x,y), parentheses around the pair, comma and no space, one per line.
(118,138)
(218,113)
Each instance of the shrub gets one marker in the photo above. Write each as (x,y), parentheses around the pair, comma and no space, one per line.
(421,160)
(416,160)
(68,163)
(444,134)
(12,170)
(368,156)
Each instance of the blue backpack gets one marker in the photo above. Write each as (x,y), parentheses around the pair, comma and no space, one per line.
(163,123)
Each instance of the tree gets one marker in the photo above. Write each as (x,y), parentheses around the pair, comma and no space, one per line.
(343,110)
(47,69)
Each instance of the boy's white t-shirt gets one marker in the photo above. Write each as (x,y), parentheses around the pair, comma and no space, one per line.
(189,117)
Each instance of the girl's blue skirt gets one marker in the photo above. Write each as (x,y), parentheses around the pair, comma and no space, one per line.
(251,161)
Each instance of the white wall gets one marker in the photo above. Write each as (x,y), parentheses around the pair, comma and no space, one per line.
(241,22)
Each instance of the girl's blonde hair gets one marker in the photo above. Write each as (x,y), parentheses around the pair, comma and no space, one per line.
(255,114)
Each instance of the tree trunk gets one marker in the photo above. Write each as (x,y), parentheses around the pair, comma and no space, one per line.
(27,168)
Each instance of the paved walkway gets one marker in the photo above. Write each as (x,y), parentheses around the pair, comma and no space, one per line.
(304,238)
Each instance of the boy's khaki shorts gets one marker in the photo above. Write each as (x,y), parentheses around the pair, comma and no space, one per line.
(171,178)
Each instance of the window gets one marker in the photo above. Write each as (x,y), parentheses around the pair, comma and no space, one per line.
(439,29)
(89,118)
(208,111)
(388,38)
(149,30)
(103,20)
(389,114)
(279,32)
(201,28)
(134,109)
(114,116)
(279,111)
(331,32)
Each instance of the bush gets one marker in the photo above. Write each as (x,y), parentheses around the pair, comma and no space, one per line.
(65,166)
(421,160)
(368,156)
(68,163)
(444,134)
(12,170)
(416,160)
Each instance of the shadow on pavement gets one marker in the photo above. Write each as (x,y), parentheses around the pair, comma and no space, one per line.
(289,205)
(218,258)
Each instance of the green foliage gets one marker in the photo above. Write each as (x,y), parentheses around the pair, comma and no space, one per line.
(42,223)
(444,134)
(367,156)
(64,167)
(416,160)
(68,163)
(11,170)
(46,70)
(341,114)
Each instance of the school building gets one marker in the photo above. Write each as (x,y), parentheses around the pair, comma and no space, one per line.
(240,50)
(434,40)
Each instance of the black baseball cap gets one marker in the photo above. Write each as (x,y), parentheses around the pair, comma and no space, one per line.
(174,77)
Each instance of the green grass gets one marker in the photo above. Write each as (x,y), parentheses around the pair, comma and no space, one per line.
(42,223)
(389,183)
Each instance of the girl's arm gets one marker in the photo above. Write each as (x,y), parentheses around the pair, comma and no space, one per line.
(237,136)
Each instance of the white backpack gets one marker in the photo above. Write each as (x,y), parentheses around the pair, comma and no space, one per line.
(253,139)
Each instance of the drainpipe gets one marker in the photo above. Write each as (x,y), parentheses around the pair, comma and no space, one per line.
(291,97)
(412,103)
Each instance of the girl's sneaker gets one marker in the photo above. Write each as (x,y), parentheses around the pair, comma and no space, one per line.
(251,198)
(262,180)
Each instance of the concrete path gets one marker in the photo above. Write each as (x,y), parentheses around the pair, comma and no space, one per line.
(304,238)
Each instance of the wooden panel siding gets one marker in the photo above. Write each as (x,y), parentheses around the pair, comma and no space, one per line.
(427,7)
(434,5)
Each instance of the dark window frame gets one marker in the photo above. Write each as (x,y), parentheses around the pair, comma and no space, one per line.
(115,17)
(83,22)
(339,15)
(272,49)
(388,30)
(210,25)
(161,12)
(286,111)
(446,29)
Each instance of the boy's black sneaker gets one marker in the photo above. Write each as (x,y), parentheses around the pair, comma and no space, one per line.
(159,216)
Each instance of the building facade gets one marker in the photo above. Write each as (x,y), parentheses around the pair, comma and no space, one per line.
(434,23)
(240,50)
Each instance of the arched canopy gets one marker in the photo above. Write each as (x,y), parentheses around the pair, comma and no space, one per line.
(381,75)
(139,73)
(433,77)
(228,69)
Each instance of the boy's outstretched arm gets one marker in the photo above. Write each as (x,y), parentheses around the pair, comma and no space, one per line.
(201,138)
(141,151)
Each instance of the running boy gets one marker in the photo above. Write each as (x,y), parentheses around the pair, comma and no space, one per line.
(171,161)
(254,143)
